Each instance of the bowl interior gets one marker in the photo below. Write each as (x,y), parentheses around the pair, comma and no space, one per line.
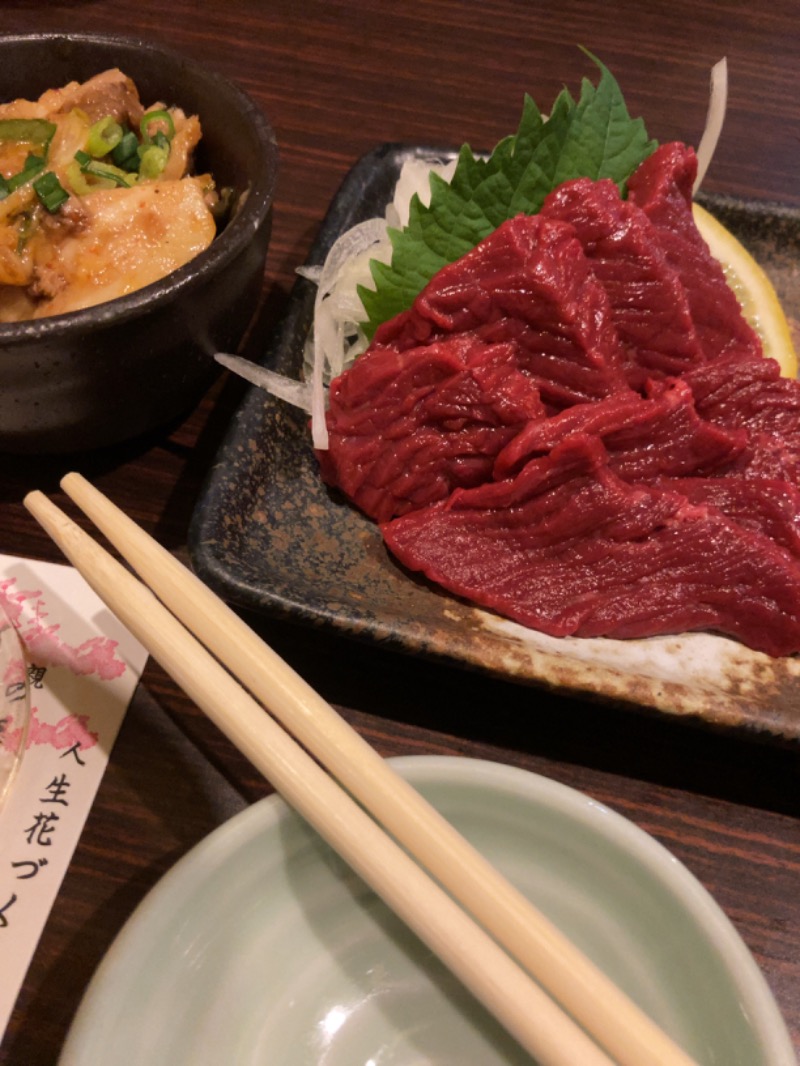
(261,946)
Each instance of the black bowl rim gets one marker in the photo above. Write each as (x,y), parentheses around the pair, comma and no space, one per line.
(227,246)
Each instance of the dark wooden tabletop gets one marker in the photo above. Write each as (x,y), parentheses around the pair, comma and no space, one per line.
(336,79)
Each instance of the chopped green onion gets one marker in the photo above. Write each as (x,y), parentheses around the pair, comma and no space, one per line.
(156,116)
(109,173)
(77,179)
(50,191)
(153,160)
(126,155)
(34,164)
(27,130)
(103,137)
(103,170)
(4,189)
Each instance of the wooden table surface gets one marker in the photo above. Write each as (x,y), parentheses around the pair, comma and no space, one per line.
(336,79)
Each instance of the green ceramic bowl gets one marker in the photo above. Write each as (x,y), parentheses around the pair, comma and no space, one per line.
(260,947)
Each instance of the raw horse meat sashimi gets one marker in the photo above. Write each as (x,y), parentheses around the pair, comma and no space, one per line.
(575,426)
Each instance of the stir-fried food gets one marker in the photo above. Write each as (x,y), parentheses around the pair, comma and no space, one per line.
(96,196)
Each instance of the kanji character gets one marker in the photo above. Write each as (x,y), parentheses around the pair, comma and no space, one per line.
(36,676)
(41,829)
(57,789)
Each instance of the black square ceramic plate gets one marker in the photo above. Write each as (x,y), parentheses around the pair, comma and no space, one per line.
(270,537)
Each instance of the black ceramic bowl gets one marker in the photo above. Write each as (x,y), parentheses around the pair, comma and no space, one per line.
(108,373)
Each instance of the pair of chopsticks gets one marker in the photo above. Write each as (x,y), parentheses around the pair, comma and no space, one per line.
(571,1014)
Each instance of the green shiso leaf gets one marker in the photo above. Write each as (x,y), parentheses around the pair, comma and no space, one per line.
(593,137)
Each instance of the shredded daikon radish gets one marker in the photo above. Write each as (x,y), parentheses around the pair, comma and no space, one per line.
(717,104)
(337,334)
(337,338)
(338,309)
(294,392)
(415,179)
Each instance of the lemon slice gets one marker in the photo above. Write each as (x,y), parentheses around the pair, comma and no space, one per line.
(755,292)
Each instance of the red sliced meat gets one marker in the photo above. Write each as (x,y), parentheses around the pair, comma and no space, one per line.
(762,504)
(650,306)
(569,548)
(662,188)
(406,428)
(751,394)
(528,283)
(574,425)
(646,437)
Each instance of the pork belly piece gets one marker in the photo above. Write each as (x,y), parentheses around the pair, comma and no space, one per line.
(128,238)
(662,188)
(109,93)
(649,304)
(568,548)
(406,428)
(529,283)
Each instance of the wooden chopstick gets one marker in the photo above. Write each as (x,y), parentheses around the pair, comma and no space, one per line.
(521,1006)
(603,1010)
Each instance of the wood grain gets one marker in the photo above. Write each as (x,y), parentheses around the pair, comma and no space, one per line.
(336,79)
